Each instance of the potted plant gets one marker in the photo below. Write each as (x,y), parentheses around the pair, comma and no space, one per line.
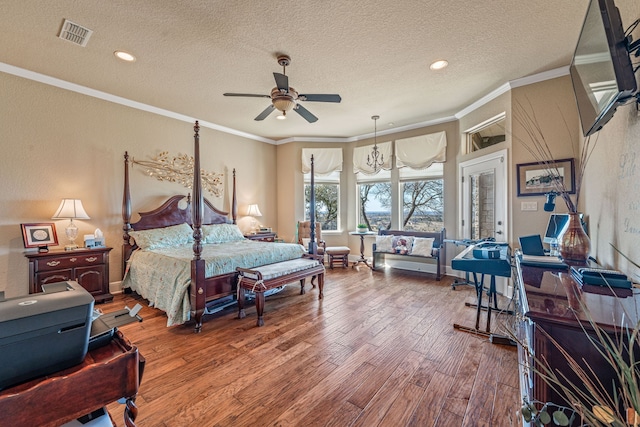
(362,228)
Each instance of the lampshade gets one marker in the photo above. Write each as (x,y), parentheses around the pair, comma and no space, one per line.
(70,209)
(253,210)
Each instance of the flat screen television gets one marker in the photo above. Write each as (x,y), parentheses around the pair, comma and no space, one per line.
(601,69)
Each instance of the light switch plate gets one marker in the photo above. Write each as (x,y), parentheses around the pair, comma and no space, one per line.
(529,206)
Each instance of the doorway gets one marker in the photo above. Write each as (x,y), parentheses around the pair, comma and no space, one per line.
(483,202)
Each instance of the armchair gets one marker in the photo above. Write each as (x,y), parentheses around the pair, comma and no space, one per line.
(304,236)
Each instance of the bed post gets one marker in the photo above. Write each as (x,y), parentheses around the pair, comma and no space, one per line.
(126,215)
(197,293)
(313,244)
(234,201)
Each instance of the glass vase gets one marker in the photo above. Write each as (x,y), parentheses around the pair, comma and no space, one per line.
(573,242)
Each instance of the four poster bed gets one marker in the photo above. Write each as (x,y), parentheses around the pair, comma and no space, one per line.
(183,256)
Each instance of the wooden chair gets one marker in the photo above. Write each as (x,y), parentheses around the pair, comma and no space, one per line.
(337,254)
(304,236)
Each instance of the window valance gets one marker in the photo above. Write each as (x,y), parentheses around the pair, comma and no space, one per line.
(421,151)
(325,160)
(360,158)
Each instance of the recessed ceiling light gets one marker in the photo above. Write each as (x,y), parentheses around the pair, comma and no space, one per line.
(391,124)
(125,56)
(439,65)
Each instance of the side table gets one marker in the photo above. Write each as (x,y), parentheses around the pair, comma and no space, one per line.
(107,374)
(262,237)
(362,258)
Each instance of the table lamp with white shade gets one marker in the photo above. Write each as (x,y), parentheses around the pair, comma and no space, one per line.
(71,209)
(254,211)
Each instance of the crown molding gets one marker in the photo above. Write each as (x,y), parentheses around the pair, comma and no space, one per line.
(62,84)
(524,81)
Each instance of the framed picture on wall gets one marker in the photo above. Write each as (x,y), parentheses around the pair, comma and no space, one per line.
(535,179)
(39,235)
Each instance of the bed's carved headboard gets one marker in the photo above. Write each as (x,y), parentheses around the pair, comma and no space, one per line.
(177,210)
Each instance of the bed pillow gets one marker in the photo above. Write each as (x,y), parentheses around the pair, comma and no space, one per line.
(154,238)
(384,243)
(423,246)
(221,233)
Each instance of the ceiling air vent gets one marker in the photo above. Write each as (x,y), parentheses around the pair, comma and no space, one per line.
(75,33)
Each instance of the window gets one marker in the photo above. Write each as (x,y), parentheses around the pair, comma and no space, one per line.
(486,134)
(375,205)
(327,200)
(422,198)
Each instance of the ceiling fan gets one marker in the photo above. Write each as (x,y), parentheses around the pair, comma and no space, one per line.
(285,98)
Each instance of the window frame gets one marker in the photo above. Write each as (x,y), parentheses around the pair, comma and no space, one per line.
(333,178)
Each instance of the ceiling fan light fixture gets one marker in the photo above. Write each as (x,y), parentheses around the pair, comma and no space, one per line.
(284,103)
(282,116)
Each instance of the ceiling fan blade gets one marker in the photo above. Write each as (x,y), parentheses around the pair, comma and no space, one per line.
(265,113)
(317,97)
(305,113)
(251,95)
(282,81)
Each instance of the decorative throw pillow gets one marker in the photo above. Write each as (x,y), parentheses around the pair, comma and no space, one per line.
(423,246)
(174,235)
(384,243)
(402,244)
(221,233)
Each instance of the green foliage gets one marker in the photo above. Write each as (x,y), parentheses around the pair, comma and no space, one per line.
(561,415)
(326,204)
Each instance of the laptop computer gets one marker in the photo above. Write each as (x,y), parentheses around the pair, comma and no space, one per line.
(532,245)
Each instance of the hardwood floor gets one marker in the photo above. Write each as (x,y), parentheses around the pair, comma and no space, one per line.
(378,350)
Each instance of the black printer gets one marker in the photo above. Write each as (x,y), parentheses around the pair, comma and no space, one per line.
(43,333)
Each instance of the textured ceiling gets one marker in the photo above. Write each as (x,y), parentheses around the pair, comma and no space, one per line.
(374,53)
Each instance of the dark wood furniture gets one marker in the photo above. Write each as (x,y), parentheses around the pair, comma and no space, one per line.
(198,211)
(362,258)
(552,305)
(253,280)
(438,252)
(107,374)
(262,237)
(89,267)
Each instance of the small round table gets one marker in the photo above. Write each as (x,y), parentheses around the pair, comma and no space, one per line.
(362,257)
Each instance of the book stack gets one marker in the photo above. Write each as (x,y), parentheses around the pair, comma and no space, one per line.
(601,277)
(544,261)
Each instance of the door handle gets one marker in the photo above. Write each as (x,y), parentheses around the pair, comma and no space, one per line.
(499,232)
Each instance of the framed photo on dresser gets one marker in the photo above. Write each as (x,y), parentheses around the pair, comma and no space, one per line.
(39,235)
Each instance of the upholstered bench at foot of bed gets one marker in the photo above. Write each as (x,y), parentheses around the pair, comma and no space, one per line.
(261,279)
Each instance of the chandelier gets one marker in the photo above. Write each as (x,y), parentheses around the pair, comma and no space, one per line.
(375,160)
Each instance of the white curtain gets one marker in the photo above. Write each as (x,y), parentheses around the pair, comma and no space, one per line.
(421,151)
(325,160)
(360,158)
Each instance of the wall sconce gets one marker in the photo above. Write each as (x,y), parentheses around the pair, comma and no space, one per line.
(254,211)
(71,209)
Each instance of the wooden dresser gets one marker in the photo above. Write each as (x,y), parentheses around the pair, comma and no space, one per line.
(551,306)
(89,267)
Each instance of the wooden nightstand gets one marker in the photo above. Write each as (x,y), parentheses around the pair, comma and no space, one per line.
(89,267)
(263,237)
